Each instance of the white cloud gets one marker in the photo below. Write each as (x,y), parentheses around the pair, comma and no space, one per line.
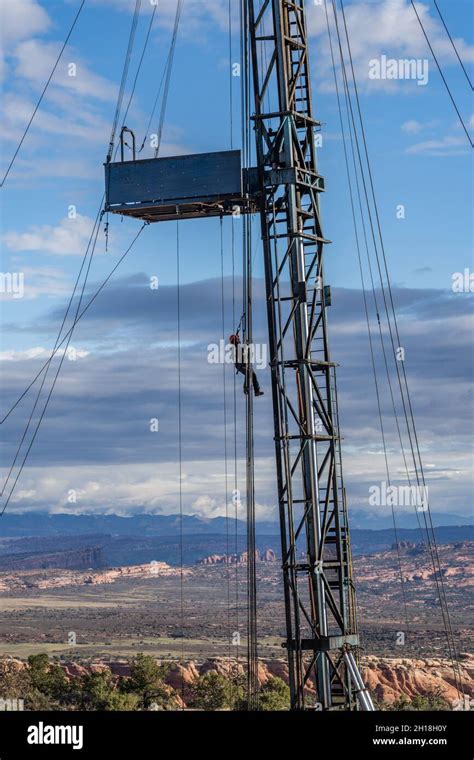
(69,108)
(21,22)
(69,237)
(133,487)
(412,127)
(112,397)
(30,353)
(51,168)
(444,146)
(438,145)
(195,17)
(39,352)
(19,19)
(49,281)
(384,27)
(35,61)
(17,111)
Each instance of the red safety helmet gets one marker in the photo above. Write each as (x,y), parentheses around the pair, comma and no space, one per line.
(234,339)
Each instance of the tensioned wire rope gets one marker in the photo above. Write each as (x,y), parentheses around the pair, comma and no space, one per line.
(387,313)
(58,343)
(71,329)
(252,634)
(236,499)
(123,82)
(180,397)
(35,378)
(43,93)
(448,89)
(169,70)
(431,540)
(66,338)
(405,393)
(454,46)
(353,140)
(93,235)
(236,492)
(48,398)
(226,467)
(25,432)
(366,308)
(46,366)
(180,455)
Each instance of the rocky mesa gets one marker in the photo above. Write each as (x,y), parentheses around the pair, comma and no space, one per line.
(37,579)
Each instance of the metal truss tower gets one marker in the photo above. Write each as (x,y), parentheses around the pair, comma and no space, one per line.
(316,556)
(319,593)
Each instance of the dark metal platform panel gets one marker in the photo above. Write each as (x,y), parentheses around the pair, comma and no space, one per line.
(184,187)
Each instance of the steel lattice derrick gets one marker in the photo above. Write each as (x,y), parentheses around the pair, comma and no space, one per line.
(316,559)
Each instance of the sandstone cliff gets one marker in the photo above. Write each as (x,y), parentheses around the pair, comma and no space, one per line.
(387,678)
(37,579)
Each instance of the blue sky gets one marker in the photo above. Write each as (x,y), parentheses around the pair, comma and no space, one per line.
(93,439)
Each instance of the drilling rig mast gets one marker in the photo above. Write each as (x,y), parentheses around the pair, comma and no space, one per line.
(321,627)
(316,556)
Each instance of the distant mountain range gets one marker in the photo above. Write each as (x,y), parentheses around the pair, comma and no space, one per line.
(42,540)
(366,520)
(147,525)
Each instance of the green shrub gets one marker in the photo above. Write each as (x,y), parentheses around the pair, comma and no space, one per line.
(147,683)
(211,692)
(274,695)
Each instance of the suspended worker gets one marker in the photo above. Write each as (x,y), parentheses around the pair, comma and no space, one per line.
(240,363)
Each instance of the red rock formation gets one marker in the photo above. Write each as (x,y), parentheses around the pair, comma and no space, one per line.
(74,670)
(387,678)
(38,579)
(391,678)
